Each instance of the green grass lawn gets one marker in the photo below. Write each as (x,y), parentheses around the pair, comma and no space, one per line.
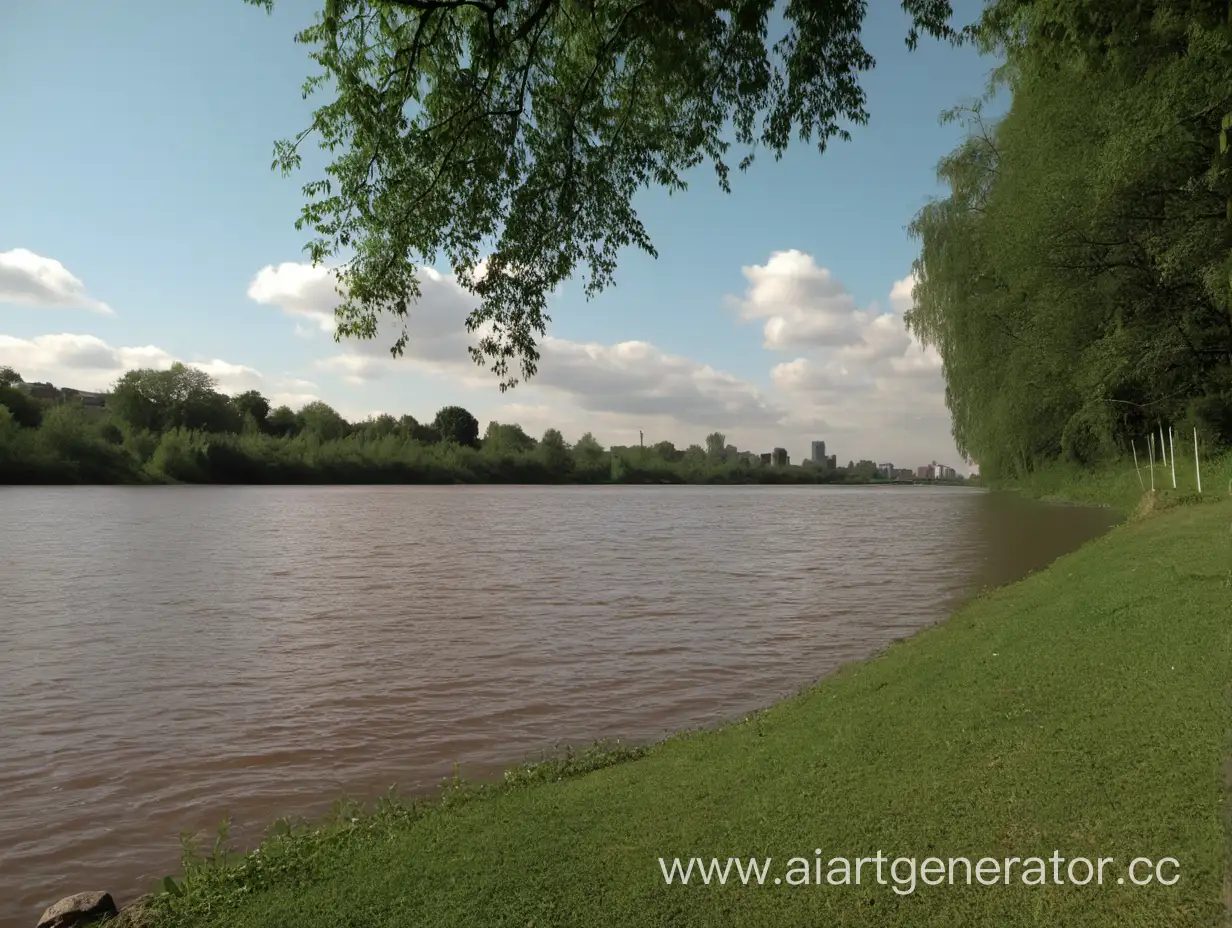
(1123,486)
(1085,710)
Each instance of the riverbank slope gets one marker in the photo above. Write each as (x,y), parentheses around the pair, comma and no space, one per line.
(1125,486)
(1084,710)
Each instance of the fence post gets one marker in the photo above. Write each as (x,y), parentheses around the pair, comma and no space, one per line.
(1172,455)
(1197,463)
(1152,444)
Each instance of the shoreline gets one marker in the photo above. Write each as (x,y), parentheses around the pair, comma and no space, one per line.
(322,856)
(957,484)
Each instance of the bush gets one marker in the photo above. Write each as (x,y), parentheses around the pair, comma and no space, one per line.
(1083,442)
(26,411)
(225,462)
(1212,416)
(180,457)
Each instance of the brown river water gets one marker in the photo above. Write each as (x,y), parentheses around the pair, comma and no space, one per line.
(169,655)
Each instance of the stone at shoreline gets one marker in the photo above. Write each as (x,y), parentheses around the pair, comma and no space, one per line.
(81,909)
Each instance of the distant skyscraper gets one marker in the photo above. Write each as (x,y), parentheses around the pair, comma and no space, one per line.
(819,453)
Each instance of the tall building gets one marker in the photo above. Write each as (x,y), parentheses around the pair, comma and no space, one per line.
(818,455)
(780,457)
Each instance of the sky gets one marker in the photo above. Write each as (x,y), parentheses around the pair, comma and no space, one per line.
(140,224)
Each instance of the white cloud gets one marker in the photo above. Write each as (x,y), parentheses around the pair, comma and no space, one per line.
(435,324)
(632,378)
(803,304)
(86,362)
(300,290)
(819,379)
(355,368)
(33,280)
(858,378)
(232,378)
(637,378)
(882,337)
(293,400)
(924,363)
(900,294)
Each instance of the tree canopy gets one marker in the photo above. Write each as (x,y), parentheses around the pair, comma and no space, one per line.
(455,424)
(251,404)
(517,132)
(180,397)
(1075,279)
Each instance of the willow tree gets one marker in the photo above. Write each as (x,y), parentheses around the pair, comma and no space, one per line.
(509,137)
(1074,279)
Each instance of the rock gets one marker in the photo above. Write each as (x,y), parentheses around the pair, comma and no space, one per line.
(80,909)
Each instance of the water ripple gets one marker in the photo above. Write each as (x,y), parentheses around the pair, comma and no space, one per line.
(168,655)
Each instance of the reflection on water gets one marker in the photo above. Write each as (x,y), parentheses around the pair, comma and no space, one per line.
(171,654)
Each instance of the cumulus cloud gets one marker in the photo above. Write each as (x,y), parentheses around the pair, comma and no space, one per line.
(232,378)
(859,376)
(882,337)
(818,378)
(901,294)
(637,378)
(356,368)
(29,279)
(435,323)
(86,362)
(632,378)
(841,345)
(292,399)
(802,304)
(82,361)
(855,376)
(299,290)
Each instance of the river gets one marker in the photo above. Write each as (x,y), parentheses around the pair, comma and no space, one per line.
(171,654)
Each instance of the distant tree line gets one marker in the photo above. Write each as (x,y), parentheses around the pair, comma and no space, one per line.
(175,426)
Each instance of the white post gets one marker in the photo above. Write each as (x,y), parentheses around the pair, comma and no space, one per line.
(1163,453)
(1197,463)
(1136,470)
(1152,444)
(1172,456)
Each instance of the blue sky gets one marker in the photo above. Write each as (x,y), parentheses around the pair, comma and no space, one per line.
(139,160)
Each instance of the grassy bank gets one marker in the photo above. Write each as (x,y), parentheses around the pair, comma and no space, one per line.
(1084,710)
(1122,485)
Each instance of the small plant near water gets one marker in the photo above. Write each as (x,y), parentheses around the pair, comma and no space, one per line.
(193,862)
(297,852)
(573,763)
